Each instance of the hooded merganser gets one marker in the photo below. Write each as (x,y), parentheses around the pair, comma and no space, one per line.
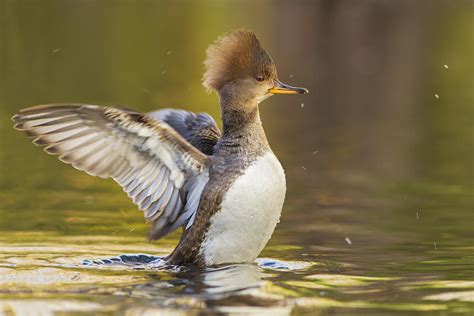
(225,189)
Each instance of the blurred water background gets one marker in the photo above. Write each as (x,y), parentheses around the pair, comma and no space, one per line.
(378,217)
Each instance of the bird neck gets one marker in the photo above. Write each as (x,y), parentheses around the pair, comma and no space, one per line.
(241,122)
(238,112)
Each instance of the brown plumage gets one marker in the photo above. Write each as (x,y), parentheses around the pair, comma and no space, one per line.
(236,55)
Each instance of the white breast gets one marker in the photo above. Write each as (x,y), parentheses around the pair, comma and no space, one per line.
(249,213)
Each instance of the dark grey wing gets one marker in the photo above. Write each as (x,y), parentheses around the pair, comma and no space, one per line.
(200,129)
(161,172)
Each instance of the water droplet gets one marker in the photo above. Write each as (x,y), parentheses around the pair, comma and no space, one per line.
(348,240)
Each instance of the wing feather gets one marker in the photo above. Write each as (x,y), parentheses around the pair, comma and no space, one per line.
(199,129)
(159,170)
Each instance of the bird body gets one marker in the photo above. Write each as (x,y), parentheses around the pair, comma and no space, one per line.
(225,189)
(248,214)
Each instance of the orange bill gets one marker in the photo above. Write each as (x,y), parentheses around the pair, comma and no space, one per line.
(282,88)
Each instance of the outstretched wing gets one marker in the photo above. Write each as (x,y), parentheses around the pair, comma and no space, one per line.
(161,172)
(200,129)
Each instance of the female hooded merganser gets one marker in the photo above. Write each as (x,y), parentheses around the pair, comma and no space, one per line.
(226,190)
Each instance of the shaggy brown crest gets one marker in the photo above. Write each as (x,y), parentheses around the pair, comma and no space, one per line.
(237,54)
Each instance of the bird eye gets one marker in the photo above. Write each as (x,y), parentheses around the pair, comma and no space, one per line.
(259,78)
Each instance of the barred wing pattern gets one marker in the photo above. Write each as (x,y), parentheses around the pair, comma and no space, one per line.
(160,171)
(199,129)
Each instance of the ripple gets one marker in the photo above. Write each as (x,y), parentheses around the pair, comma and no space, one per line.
(154,262)
(274,264)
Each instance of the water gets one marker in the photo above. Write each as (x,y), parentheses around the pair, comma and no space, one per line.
(378,216)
